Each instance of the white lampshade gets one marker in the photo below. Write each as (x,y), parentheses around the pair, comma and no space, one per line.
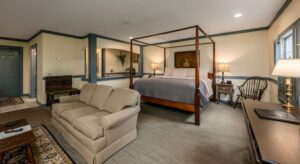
(223,67)
(287,68)
(154,66)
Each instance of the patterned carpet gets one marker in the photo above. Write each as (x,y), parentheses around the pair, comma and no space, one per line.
(45,150)
(10,101)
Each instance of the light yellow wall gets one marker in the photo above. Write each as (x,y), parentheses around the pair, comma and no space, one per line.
(288,17)
(62,55)
(57,55)
(247,55)
(26,62)
(38,40)
(153,55)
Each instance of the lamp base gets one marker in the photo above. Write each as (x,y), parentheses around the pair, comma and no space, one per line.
(222,82)
(289,94)
(289,107)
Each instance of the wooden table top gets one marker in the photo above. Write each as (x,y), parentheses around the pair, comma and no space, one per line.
(16,141)
(277,141)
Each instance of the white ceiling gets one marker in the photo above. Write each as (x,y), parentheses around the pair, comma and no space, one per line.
(123,18)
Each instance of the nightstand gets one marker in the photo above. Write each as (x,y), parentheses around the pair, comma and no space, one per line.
(224,89)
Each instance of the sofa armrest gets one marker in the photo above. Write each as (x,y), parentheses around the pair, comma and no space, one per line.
(71,98)
(115,119)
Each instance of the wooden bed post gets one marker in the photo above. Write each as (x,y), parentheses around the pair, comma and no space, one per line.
(165,59)
(214,71)
(197,84)
(131,66)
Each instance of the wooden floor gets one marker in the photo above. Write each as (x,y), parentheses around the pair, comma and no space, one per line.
(169,136)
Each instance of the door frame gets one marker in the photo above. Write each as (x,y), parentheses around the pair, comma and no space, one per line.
(31,71)
(20,49)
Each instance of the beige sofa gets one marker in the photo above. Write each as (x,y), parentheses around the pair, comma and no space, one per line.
(99,121)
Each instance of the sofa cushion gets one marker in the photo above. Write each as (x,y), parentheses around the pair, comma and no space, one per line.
(72,115)
(61,107)
(121,98)
(86,93)
(101,93)
(90,125)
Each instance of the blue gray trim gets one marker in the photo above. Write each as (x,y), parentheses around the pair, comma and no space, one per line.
(77,76)
(35,35)
(281,10)
(103,59)
(13,39)
(112,78)
(21,70)
(73,76)
(55,33)
(292,26)
(141,61)
(157,74)
(92,44)
(245,77)
(73,36)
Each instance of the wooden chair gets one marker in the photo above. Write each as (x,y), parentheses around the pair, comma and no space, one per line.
(252,88)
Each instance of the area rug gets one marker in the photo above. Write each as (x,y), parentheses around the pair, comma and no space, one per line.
(10,101)
(45,150)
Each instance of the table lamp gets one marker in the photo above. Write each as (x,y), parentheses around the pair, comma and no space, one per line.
(154,66)
(288,68)
(223,67)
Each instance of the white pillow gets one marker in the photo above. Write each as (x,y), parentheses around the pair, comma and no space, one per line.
(181,72)
(168,71)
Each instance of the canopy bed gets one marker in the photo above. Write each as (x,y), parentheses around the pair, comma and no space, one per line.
(163,89)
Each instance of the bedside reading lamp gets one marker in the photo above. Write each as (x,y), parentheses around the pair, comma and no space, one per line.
(223,67)
(288,68)
(154,66)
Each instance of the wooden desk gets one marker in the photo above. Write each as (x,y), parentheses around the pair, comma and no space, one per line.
(225,89)
(50,94)
(271,141)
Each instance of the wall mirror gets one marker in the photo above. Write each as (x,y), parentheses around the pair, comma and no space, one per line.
(116,63)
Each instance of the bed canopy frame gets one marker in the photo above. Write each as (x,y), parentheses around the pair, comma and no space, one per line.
(183,106)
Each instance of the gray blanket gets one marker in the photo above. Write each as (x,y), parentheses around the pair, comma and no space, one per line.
(173,89)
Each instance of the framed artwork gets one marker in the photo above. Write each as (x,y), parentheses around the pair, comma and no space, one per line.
(185,59)
(136,58)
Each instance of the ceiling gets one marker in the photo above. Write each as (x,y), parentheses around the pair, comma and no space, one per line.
(120,19)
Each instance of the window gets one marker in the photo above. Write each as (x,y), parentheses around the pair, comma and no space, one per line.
(287,45)
(285,48)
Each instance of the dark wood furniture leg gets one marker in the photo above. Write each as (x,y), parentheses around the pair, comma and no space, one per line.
(231,97)
(47,99)
(1,157)
(30,154)
(237,100)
